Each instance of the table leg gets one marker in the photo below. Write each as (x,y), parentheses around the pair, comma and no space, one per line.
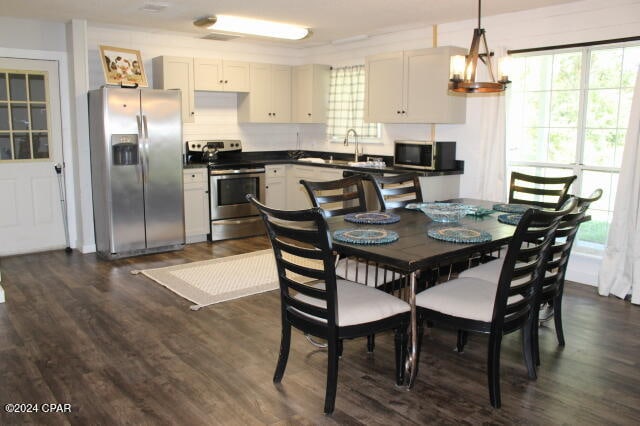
(411,366)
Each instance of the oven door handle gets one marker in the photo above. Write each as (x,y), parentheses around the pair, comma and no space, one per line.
(235,171)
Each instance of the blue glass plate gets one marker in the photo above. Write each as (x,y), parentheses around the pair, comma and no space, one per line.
(365,236)
(372,218)
(513,208)
(458,234)
(478,211)
(510,218)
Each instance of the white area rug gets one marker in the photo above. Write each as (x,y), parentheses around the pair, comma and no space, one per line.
(216,280)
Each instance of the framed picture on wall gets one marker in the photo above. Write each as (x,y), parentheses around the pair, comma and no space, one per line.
(122,66)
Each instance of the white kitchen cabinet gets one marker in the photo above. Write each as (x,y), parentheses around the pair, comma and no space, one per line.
(269,97)
(196,204)
(412,87)
(276,186)
(170,72)
(439,188)
(220,75)
(310,93)
(297,197)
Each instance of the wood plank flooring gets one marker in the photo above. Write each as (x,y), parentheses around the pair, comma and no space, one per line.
(123,350)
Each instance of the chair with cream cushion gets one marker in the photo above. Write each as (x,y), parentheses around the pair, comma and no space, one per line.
(545,192)
(501,306)
(314,301)
(553,283)
(397,190)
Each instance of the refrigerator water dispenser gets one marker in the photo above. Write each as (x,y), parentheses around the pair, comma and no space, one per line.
(124,149)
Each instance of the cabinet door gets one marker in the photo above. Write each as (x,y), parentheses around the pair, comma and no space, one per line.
(260,96)
(177,73)
(236,76)
(196,203)
(301,98)
(207,74)
(427,97)
(384,88)
(281,93)
(275,193)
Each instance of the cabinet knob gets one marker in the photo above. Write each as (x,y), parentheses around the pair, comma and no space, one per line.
(193,176)
(226,81)
(221,81)
(266,187)
(274,114)
(398,112)
(309,114)
(404,112)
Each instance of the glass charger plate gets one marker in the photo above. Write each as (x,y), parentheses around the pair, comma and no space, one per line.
(372,218)
(458,234)
(365,236)
(478,211)
(513,208)
(509,218)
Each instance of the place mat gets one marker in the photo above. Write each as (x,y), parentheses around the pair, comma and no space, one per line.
(458,234)
(365,236)
(510,218)
(372,218)
(513,208)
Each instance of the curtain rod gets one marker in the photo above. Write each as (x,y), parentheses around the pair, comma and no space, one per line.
(567,46)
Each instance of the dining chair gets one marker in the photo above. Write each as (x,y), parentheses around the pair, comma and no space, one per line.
(545,192)
(552,288)
(397,191)
(499,307)
(315,301)
(341,197)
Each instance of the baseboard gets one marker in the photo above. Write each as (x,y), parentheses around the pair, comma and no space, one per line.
(584,269)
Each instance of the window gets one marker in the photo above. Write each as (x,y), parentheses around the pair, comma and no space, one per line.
(568,112)
(24,122)
(346,104)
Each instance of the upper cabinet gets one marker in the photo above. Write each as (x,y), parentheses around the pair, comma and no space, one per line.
(220,75)
(171,72)
(310,87)
(412,87)
(269,100)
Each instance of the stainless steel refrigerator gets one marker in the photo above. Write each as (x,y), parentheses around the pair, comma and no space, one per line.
(136,171)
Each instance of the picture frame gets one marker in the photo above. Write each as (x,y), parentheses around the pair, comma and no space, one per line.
(122,67)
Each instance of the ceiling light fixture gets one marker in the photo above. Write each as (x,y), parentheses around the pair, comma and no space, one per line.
(239,25)
(463,69)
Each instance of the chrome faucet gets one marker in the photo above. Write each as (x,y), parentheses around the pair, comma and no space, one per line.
(355,138)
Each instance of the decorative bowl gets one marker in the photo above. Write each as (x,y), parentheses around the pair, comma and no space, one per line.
(445,212)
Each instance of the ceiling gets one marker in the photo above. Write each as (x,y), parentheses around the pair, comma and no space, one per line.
(330,20)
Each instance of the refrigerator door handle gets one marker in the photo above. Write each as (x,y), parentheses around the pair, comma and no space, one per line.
(140,152)
(146,146)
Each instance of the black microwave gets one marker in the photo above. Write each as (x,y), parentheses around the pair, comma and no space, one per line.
(425,155)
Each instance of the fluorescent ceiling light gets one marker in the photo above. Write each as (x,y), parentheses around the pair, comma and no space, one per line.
(236,24)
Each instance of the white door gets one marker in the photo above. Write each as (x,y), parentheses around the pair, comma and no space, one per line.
(30,145)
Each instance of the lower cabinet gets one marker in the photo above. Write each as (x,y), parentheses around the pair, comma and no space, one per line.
(276,186)
(438,188)
(297,197)
(196,205)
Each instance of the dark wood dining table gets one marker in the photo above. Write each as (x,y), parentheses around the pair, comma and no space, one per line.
(415,251)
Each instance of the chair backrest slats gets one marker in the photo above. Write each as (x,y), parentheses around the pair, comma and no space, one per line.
(347,193)
(305,262)
(397,191)
(522,273)
(544,192)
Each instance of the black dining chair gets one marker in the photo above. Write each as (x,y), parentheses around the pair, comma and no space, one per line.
(552,288)
(397,190)
(315,301)
(545,192)
(499,307)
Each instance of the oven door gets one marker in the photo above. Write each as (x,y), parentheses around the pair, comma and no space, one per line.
(228,189)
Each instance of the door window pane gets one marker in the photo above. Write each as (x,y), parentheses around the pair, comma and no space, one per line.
(4,117)
(602,108)
(38,117)
(605,68)
(565,68)
(21,146)
(3,86)
(5,147)
(40,145)
(19,117)
(562,145)
(18,87)
(36,88)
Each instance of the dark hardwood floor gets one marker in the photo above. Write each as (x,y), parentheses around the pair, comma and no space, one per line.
(122,349)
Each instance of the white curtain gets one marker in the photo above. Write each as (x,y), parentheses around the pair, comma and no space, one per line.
(620,270)
(492,143)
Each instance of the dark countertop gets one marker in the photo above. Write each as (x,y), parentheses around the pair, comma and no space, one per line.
(340,161)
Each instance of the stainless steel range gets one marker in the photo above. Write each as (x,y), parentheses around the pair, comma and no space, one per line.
(230,179)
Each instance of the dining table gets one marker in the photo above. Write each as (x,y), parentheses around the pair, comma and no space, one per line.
(416,251)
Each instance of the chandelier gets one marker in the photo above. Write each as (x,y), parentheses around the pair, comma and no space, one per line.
(463,69)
